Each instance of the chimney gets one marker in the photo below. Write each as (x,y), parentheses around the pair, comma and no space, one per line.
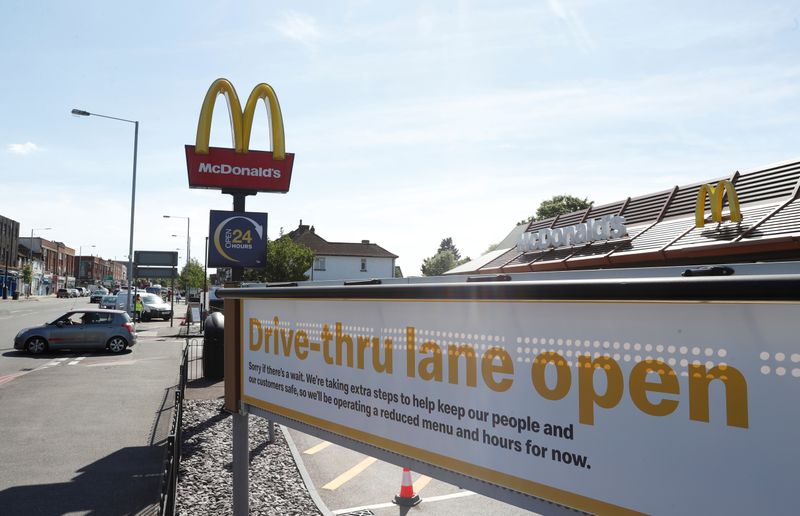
(365,241)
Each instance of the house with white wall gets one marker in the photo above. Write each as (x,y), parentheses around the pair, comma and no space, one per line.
(344,260)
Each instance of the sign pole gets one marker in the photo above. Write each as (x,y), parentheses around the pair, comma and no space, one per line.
(241,435)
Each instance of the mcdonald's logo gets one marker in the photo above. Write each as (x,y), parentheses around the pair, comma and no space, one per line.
(715,196)
(239,168)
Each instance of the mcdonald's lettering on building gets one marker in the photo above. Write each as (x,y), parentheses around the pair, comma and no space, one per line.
(240,168)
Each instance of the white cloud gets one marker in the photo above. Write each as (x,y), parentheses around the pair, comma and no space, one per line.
(23,148)
(299,27)
(574,25)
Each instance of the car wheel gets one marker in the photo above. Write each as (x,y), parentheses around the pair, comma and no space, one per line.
(117,344)
(36,345)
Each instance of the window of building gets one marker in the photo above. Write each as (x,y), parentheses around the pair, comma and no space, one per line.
(363,265)
(319,263)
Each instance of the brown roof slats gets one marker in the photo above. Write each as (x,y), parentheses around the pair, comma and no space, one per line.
(606,209)
(644,209)
(727,231)
(784,222)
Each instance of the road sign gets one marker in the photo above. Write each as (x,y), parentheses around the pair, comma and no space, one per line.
(155,272)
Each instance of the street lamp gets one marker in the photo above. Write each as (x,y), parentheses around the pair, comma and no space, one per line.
(80,258)
(188,238)
(30,256)
(80,112)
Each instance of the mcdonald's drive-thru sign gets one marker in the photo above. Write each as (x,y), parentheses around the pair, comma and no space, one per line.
(239,168)
(715,196)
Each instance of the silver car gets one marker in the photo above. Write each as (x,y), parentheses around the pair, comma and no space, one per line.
(155,307)
(80,329)
(109,301)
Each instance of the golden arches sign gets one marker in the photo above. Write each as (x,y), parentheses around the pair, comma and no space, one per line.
(715,195)
(239,168)
(241,122)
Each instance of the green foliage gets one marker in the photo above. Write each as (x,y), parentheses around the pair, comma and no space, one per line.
(286,261)
(439,263)
(446,257)
(192,275)
(558,205)
(447,245)
(27,273)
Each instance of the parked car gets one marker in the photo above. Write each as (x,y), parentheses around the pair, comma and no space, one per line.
(154,307)
(73,292)
(80,329)
(97,295)
(63,292)
(109,301)
(122,298)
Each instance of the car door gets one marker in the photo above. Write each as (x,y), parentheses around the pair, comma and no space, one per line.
(97,326)
(68,331)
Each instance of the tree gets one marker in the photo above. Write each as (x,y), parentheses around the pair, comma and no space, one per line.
(447,245)
(286,261)
(439,263)
(491,248)
(446,257)
(558,205)
(27,277)
(192,275)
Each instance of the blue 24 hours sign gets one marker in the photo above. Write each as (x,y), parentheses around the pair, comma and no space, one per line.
(238,239)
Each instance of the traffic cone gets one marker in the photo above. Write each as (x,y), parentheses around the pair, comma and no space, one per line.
(407,498)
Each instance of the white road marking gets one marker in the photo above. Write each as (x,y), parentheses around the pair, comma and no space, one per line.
(77,360)
(113,363)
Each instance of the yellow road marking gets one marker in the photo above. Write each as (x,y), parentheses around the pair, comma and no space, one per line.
(321,446)
(349,474)
(421,482)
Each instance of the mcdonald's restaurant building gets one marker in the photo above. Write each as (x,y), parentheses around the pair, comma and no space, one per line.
(747,217)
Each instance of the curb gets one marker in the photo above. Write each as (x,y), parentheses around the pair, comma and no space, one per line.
(301,468)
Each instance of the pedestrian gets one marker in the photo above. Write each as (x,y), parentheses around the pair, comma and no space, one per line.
(137,309)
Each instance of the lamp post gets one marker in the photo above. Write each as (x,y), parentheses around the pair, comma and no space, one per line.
(30,256)
(188,238)
(79,112)
(80,258)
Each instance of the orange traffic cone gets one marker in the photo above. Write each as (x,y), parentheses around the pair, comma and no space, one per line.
(407,498)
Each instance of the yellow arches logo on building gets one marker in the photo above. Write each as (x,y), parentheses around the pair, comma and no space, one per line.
(715,195)
(241,121)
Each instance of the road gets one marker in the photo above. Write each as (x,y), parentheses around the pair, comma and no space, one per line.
(82,432)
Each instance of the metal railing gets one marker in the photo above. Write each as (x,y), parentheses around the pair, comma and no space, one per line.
(169,482)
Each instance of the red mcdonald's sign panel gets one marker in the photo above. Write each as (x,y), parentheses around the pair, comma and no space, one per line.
(239,168)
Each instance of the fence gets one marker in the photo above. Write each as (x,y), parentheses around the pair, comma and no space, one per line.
(190,369)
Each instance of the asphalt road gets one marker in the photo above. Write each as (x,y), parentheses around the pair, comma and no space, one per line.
(83,433)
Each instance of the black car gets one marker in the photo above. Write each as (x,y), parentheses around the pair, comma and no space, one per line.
(62,292)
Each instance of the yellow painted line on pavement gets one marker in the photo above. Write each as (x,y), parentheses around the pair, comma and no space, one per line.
(421,482)
(318,448)
(349,474)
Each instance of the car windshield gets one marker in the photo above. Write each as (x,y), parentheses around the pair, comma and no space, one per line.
(109,299)
(151,299)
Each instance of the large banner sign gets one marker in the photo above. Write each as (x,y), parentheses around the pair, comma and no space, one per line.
(606,407)
(239,169)
(237,239)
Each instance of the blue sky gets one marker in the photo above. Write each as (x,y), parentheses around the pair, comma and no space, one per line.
(410,121)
